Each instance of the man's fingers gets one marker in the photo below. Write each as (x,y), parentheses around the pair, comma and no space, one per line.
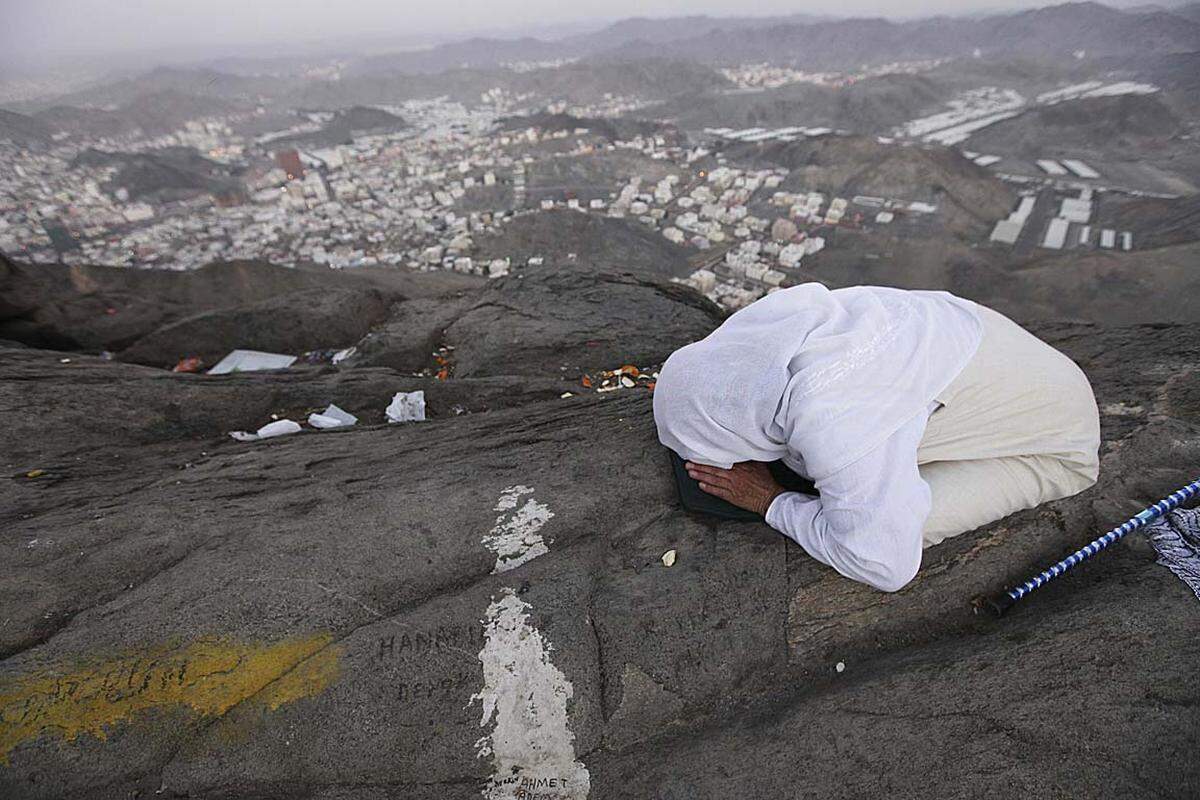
(718,477)
(716,491)
(704,469)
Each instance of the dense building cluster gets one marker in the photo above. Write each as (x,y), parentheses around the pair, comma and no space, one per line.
(417,197)
(772,76)
(419,193)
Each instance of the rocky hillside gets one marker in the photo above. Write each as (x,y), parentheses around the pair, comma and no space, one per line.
(21,129)
(152,113)
(970,197)
(477,604)
(1049,33)
(874,105)
(567,237)
(1119,125)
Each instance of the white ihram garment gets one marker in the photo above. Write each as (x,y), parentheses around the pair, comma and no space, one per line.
(1015,427)
(816,377)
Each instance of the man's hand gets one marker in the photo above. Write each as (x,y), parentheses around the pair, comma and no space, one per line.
(747,485)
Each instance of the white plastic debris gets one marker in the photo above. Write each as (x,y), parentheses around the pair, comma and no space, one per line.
(668,558)
(565,395)
(280,427)
(250,361)
(332,417)
(342,355)
(841,666)
(407,407)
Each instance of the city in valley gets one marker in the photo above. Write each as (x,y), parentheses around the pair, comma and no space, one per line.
(755,175)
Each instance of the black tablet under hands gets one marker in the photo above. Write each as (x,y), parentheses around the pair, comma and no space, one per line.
(696,500)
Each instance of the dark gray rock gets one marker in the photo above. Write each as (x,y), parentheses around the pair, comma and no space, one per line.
(567,239)
(549,322)
(71,408)
(291,323)
(109,308)
(544,322)
(330,615)
(414,330)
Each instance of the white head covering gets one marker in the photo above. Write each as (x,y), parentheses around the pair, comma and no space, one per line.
(812,376)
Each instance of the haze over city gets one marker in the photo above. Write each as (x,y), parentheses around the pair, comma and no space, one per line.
(68,29)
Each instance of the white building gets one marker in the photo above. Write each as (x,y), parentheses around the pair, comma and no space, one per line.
(1079,168)
(1007,231)
(1056,233)
(137,212)
(791,255)
(1075,209)
(1051,167)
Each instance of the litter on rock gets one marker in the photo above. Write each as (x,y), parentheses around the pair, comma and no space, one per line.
(625,377)
(251,361)
(329,355)
(443,359)
(841,666)
(332,417)
(668,558)
(281,427)
(35,473)
(565,395)
(316,356)
(278,428)
(407,407)
(189,364)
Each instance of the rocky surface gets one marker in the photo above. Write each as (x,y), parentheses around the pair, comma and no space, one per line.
(476,604)
(562,236)
(110,308)
(970,197)
(300,321)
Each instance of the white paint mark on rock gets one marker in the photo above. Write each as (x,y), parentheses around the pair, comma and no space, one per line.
(525,695)
(516,537)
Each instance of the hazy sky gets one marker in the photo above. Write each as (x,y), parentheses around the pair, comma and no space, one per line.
(49,28)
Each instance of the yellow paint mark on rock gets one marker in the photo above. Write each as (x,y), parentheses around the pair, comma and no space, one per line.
(208,676)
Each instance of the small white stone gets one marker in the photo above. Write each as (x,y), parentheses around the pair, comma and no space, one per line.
(841,666)
(668,558)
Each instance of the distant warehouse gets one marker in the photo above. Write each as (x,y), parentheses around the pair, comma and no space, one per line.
(1051,167)
(1076,209)
(1007,231)
(1079,168)
(1056,234)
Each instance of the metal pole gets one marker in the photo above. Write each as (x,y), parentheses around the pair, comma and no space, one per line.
(1000,602)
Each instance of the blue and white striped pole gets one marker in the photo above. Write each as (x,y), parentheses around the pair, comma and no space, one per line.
(1001,602)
